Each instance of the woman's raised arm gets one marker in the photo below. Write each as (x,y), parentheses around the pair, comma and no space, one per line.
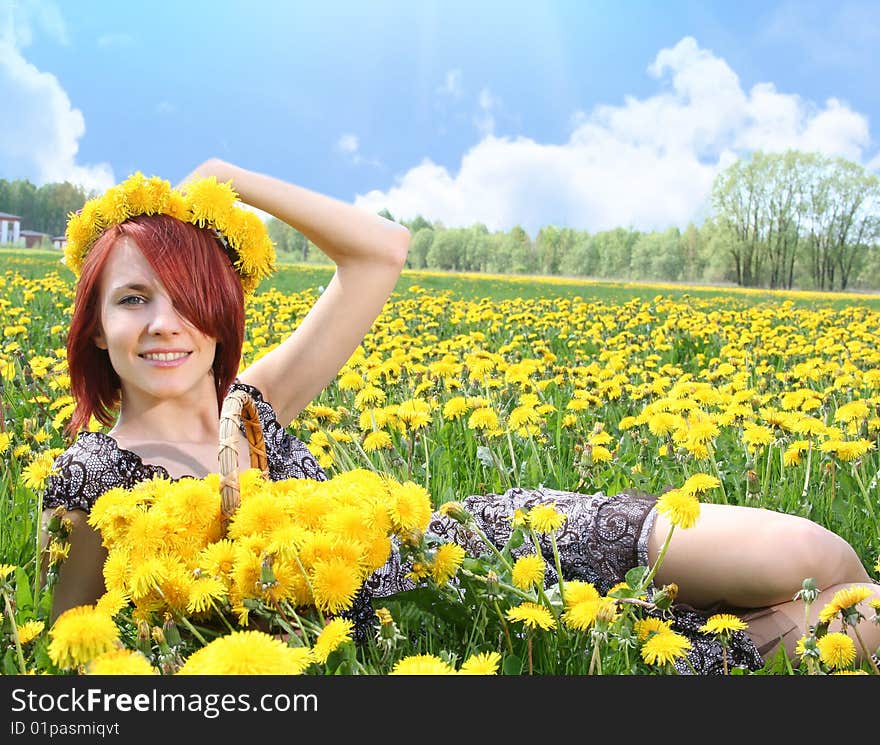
(369,252)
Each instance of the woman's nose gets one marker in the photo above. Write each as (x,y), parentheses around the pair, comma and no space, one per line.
(164,319)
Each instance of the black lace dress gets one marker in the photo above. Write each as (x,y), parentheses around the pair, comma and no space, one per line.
(603,536)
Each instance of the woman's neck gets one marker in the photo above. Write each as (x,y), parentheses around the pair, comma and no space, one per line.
(169,421)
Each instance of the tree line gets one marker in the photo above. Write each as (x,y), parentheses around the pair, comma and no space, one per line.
(44,208)
(779,220)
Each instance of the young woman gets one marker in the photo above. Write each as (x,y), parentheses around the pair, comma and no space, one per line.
(155,344)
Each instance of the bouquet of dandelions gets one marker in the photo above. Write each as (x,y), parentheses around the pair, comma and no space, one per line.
(263,592)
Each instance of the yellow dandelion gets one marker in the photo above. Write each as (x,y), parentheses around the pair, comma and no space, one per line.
(112,601)
(582,614)
(722,624)
(836,650)
(520,519)
(644,627)
(484,663)
(334,634)
(681,509)
(80,634)
(455,407)
(204,593)
(843,600)
(335,583)
(664,648)
(121,662)
(411,508)
(34,475)
(793,453)
(532,615)
(699,483)
(422,664)
(378,440)
(528,571)
(576,591)
(29,631)
(545,519)
(483,418)
(663,423)
(447,560)
(247,653)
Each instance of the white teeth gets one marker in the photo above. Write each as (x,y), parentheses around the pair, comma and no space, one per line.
(165,356)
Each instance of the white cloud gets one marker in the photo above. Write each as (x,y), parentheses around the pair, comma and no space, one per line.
(648,163)
(39,135)
(451,84)
(40,129)
(349,145)
(20,18)
(485,119)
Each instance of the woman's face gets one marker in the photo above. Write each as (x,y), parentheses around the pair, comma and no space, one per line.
(157,354)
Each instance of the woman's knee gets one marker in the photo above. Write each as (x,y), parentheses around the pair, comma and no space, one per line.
(809,550)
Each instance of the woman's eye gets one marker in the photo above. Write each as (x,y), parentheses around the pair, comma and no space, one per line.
(131,300)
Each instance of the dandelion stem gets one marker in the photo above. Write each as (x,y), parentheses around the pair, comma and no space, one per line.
(558,563)
(427,463)
(646,582)
(504,626)
(864,491)
(510,588)
(717,472)
(865,651)
(595,658)
(531,663)
(185,621)
(305,575)
(807,470)
(10,613)
(473,526)
(222,616)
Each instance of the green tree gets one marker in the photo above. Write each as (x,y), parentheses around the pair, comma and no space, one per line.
(419,245)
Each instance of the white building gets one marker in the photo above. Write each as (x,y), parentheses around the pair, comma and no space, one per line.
(10,228)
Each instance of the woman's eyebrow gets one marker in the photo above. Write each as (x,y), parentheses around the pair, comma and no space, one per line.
(136,286)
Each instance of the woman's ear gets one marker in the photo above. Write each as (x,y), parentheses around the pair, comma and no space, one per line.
(99,340)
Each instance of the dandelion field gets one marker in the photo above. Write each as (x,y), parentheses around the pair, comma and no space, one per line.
(468,386)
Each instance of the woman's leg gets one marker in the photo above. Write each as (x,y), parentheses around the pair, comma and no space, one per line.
(746,557)
(785,623)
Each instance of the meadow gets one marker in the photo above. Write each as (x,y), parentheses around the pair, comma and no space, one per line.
(470,384)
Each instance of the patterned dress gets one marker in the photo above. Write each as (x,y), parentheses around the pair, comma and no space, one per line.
(603,536)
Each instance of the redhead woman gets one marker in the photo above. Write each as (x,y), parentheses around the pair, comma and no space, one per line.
(155,345)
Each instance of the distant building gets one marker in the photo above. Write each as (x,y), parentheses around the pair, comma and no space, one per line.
(10,228)
(59,241)
(34,238)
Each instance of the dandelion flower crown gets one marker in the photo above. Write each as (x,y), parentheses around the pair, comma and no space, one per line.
(205,203)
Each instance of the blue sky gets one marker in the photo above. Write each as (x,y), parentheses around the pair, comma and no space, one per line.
(580,113)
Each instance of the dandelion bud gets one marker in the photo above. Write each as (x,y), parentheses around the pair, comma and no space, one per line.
(54,524)
(143,630)
(159,636)
(412,537)
(586,459)
(665,596)
(457,512)
(267,576)
(753,483)
(172,634)
(809,591)
(493,586)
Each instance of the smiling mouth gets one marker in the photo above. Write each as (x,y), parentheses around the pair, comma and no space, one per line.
(164,356)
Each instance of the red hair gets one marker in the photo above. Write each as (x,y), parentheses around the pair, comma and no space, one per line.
(203,286)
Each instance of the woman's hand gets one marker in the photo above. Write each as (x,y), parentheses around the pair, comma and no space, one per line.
(211,167)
